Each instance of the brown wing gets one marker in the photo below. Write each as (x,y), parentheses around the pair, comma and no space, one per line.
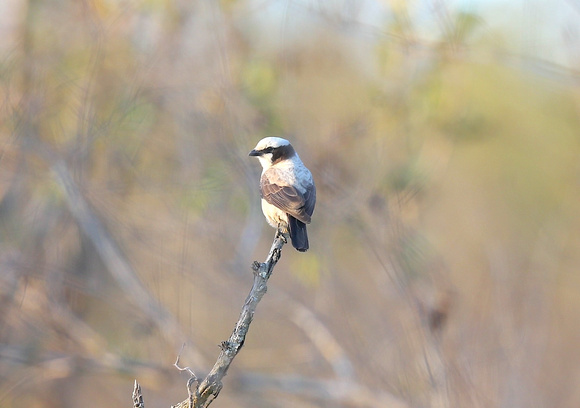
(286,198)
(310,199)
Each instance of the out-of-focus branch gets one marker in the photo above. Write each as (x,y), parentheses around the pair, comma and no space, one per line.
(208,389)
(58,365)
(114,259)
(323,340)
(350,393)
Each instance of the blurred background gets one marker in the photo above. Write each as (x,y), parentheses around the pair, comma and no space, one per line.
(444,139)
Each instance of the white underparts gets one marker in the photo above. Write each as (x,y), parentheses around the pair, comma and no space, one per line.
(275,216)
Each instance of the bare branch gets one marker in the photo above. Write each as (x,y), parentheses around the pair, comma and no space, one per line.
(209,389)
(137,396)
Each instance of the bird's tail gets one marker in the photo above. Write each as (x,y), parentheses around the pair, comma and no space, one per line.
(298,234)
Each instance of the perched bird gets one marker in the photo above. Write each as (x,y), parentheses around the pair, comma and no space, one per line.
(287,189)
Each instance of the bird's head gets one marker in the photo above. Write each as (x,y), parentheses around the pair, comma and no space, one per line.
(272,150)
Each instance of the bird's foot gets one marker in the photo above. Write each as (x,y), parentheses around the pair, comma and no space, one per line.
(281,234)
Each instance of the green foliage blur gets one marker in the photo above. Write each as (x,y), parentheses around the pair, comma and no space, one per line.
(445,244)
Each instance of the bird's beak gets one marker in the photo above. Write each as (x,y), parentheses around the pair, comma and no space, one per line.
(255,153)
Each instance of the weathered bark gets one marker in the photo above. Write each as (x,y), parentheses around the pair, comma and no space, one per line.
(203,393)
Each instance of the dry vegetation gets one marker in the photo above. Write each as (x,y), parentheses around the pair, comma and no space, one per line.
(445,246)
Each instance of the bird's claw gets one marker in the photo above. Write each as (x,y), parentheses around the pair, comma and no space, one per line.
(281,235)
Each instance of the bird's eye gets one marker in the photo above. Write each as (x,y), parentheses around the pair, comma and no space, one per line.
(268,150)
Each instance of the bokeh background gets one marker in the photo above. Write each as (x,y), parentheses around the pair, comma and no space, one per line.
(444,139)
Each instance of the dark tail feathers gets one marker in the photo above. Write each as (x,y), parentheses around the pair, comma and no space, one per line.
(298,234)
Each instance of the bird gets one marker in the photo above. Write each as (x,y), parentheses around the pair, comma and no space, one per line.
(287,189)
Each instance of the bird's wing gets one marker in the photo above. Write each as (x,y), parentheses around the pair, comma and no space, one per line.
(310,199)
(285,197)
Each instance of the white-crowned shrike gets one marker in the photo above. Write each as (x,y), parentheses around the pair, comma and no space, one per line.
(287,189)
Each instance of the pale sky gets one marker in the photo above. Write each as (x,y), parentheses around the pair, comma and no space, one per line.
(539,29)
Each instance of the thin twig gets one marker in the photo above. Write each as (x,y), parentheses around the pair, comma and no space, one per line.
(192,378)
(188,369)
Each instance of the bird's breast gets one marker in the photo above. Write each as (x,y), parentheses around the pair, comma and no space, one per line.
(274,215)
